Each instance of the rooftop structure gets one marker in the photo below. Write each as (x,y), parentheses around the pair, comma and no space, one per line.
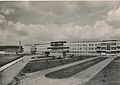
(58,49)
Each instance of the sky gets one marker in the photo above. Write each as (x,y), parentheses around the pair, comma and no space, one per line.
(44,21)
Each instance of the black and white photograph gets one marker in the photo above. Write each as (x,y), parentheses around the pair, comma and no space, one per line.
(64,42)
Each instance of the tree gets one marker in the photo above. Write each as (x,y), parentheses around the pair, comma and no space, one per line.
(47,53)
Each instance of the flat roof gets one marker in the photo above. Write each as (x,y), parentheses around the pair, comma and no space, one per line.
(8,47)
(93,41)
(58,41)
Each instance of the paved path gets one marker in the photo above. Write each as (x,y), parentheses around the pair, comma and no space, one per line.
(89,73)
(110,75)
(39,78)
(11,70)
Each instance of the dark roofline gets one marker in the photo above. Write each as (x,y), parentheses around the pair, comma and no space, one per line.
(93,41)
(59,42)
(7,47)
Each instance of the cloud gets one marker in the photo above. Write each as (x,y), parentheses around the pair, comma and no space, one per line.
(35,33)
(69,30)
(7,11)
(10,31)
(113,17)
(2,22)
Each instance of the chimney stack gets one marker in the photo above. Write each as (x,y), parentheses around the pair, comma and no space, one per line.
(20,46)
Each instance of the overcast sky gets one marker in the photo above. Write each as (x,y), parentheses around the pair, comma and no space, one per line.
(35,22)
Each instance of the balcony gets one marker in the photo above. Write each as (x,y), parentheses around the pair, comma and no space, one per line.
(57,47)
(59,51)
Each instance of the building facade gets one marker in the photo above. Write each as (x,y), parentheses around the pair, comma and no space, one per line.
(82,48)
(36,49)
(42,49)
(93,48)
(58,49)
(85,48)
(109,47)
(10,49)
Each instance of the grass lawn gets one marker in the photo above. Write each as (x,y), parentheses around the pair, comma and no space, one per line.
(110,75)
(5,59)
(38,65)
(72,70)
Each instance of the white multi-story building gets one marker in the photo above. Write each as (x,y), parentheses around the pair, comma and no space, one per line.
(36,48)
(109,47)
(41,49)
(58,49)
(105,47)
(93,48)
(82,48)
(27,49)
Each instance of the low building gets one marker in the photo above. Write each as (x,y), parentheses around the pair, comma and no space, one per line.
(10,49)
(42,48)
(27,49)
(36,48)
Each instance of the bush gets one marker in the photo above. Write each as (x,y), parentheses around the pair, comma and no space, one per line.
(59,57)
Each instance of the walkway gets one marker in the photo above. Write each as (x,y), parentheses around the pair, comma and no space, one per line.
(10,70)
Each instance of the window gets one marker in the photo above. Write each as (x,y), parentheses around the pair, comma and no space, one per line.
(113,48)
(103,48)
(75,44)
(83,44)
(113,43)
(103,44)
(95,44)
(89,44)
(85,48)
(80,48)
(92,48)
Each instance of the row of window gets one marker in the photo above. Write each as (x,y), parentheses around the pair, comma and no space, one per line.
(81,44)
(83,48)
(112,48)
(90,44)
(82,52)
(103,44)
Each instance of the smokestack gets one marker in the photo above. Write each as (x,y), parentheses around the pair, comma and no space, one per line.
(20,46)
